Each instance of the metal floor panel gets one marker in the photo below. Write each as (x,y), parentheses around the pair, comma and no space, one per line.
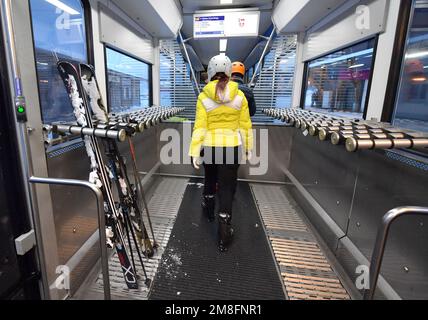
(163,206)
(305,270)
(193,268)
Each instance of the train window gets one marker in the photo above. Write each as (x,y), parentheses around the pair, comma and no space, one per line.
(176,86)
(129,83)
(280,67)
(339,82)
(411,108)
(59,34)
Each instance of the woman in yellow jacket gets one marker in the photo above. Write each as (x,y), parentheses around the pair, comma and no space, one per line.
(221,138)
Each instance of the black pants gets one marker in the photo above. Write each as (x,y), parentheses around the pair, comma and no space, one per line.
(221,168)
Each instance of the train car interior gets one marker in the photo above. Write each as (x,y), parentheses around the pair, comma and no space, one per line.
(111,111)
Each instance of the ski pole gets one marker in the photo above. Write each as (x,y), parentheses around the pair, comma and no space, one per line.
(148,281)
(139,185)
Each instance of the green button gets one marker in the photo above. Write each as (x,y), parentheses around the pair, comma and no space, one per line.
(21,109)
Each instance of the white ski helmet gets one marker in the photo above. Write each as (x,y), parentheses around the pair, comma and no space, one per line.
(219,64)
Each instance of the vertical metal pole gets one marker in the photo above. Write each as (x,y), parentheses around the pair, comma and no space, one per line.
(103,241)
(190,63)
(172,52)
(22,136)
(273,79)
(261,58)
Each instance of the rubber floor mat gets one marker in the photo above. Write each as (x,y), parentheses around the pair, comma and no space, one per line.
(192,268)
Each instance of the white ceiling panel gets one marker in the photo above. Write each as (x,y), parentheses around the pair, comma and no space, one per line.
(237,48)
(291,16)
(162,19)
(190,6)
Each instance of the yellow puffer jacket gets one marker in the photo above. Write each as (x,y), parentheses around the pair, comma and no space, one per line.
(221,121)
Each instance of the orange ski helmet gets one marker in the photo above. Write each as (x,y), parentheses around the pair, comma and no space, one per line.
(238,67)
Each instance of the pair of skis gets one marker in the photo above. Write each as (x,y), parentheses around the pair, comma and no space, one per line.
(123,217)
(128,193)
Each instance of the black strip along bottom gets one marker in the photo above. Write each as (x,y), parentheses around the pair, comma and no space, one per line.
(192,268)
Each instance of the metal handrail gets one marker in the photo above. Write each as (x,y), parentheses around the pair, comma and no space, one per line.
(190,63)
(381,238)
(258,66)
(101,220)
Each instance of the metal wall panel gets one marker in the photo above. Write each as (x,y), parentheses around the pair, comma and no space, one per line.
(384,184)
(73,225)
(75,212)
(179,169)
(279,151)
(316,220)
(278,156)
(327,172)
(362,187)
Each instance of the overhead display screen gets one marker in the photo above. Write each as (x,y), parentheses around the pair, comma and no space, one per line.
(226,24)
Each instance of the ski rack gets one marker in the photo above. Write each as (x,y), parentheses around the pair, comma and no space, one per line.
(147,117)
(122,125)
(119,135)
(130,128)
(69,132)
(354,134)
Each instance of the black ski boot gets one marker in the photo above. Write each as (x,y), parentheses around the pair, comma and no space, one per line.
(208,207)
(225,231)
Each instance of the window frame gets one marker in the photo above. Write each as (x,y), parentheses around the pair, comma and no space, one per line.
(306,72)
(397,65)
(149,64)
(87,15)
(404,23)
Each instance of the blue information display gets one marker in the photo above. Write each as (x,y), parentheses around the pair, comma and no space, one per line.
(226,24)
(209,26)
